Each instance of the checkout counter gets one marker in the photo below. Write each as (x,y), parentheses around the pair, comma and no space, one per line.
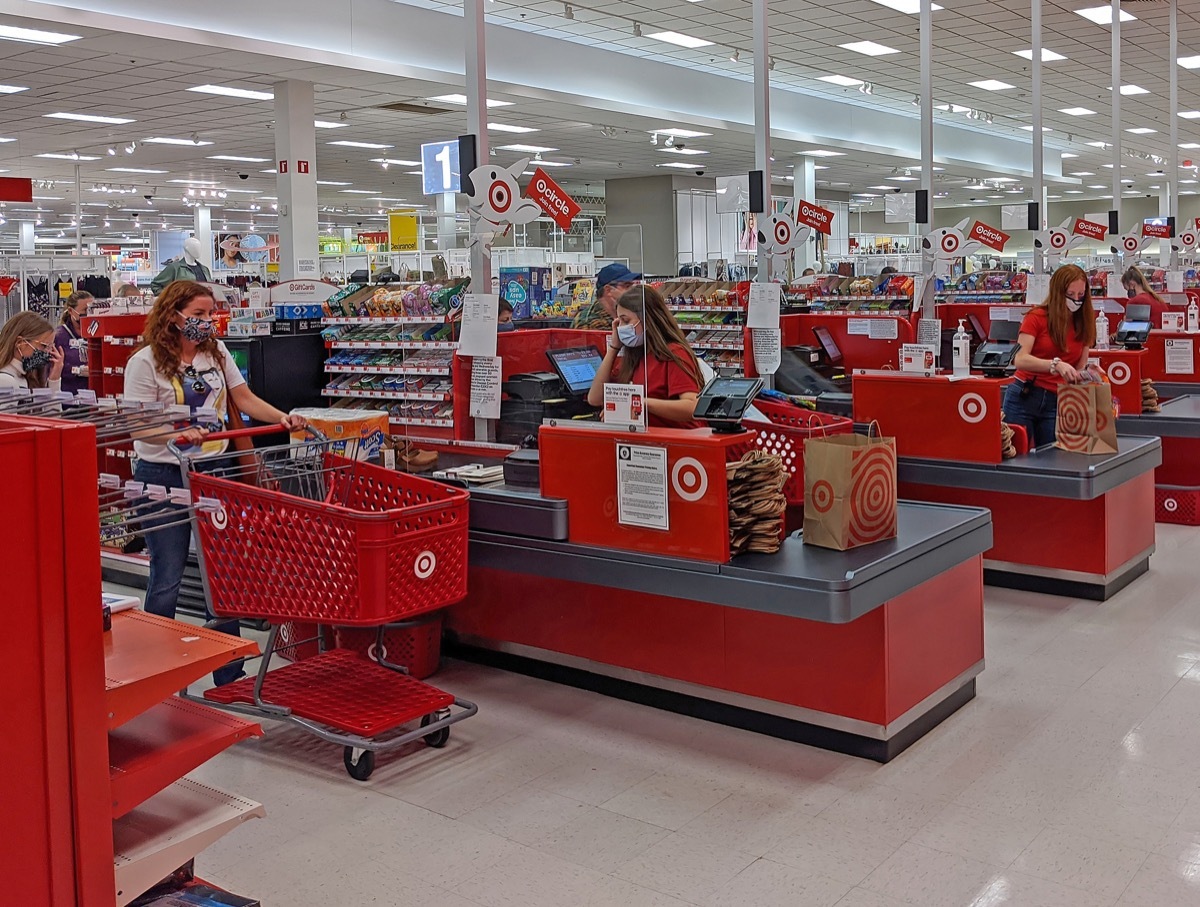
(1177,479)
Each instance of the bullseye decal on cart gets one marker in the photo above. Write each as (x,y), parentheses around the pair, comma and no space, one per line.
(972,408)
(219,519)
(376,652)
(425,564)
(822,496)
(1118,373)
(689,479)
(873,495)
(1170,505)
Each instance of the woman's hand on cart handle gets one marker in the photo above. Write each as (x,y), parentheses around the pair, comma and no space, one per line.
(292,422)
(193,437)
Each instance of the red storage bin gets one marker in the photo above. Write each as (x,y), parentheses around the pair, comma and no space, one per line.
(790,427)
(416,645)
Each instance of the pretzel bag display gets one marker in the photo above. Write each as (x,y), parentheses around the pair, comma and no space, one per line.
(1085,419)
(849,491)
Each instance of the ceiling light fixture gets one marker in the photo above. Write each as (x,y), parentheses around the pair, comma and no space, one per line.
(462,99)
(869,48)
(89,118)
(165,140)
(1129,90)
(568,11)
(771,64)
(526,149)
(73,156)
(373,146)
(992,85)
(1102,15)
(329,124)
(637,29)
(844,81)
(502,127)
(674,37)
(229,91)
(735,57)
(34,36)
(1048,56)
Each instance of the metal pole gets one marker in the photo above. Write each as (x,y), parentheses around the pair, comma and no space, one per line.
(476,92)
(762,120)
(1039,145)
(1116,108)
(78,213)
(927,118)
(1173,158)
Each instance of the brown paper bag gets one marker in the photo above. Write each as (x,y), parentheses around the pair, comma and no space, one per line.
(1085,419)
(849,491)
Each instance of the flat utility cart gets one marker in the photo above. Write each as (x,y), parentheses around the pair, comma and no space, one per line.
(300,533)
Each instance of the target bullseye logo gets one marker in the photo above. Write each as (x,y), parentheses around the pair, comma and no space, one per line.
(972,408)
(1073,422)
(425,564)
(1187,240)
(1058,240)
(783,233)
(1170,505)
(873,495)
(499,197)
(950,243)
(689,479)
(821,496)
(1119,373)
(219,519)
(375,653)
(1131,243)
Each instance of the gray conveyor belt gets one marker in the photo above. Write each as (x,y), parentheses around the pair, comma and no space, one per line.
(1047,472)
(1173,389)
(801,581)
(1180,418)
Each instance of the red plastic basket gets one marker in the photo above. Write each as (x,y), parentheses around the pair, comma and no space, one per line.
(790,427)
(394,547)
(418,648)
(1177,504)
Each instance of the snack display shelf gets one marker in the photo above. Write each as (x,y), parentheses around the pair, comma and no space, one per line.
(169,829)
(393,345)
(717,344)
(979,293)
(706,308)
(701,326)
(430,423)
(411,319)
(385,395)
(387,369)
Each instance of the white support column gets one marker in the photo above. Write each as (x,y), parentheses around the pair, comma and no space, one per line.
(28,238)
(1172,184)
(476,91)
(296,158)
(1116,110)
(202,228)
(762,118)
(1039,143)
(78,213)
(927,120)
(446,209)
(804,188)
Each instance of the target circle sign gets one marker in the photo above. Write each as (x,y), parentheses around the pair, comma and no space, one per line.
(950,243)
(689,479)
(425,564)
(783,233)
(972,408)
(1119,373)
(1058,240)
(1131,243)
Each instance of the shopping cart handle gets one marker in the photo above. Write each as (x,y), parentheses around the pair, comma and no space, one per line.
(254,432)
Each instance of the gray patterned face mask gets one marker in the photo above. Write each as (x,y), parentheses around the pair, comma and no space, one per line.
(38,359)
(197,330)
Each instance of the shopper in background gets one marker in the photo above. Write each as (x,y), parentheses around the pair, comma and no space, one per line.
(504,316)
(1055,340)
(647,347)
(69,339)
(1141,293)
(128,291)
(181,362)
(31,360)
(611,282)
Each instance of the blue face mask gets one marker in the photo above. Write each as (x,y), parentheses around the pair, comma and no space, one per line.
(503,328)
(628,335)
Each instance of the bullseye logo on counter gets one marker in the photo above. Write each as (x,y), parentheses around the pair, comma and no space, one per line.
(989,236)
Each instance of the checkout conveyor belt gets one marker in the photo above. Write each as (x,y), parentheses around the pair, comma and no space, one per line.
(1179,418)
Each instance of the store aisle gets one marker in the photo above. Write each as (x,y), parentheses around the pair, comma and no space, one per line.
(1070,780)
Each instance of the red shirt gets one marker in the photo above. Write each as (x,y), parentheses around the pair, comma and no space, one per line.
(1037,323)
(666,381)
(1156,308)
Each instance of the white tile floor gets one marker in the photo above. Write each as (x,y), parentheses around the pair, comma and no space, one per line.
(1071,780)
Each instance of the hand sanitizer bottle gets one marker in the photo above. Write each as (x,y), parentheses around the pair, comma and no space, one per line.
(961,351)
(1102,331)
(1193,316)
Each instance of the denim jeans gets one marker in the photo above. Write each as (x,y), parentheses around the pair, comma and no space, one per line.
(1036,411)
(168,549)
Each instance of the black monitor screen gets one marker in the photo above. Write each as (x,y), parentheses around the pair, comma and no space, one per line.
(828,344)
(576,366)
(1137,313)
(1135,327)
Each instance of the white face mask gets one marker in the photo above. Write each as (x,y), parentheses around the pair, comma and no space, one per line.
(628,335)
(1074,305)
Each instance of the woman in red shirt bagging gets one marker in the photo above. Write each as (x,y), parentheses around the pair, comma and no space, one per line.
(654,354)
(1056,338)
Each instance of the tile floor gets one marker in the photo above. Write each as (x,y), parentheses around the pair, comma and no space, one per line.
(1072,779)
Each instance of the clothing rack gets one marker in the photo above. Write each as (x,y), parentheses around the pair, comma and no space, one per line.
(51,267)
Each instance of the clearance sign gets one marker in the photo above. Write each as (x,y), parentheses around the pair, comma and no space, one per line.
(402,231)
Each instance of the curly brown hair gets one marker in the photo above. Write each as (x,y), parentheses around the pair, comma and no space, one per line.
(161,333)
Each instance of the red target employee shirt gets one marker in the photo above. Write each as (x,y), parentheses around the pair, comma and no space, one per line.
(666,381)
(1037,323)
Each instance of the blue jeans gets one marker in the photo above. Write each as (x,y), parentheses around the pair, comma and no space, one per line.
(168,549)
(1036,412)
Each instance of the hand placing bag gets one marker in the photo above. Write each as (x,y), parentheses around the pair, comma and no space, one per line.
(849,491)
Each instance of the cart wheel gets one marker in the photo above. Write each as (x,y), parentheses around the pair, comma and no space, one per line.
(359,769)
(438,738)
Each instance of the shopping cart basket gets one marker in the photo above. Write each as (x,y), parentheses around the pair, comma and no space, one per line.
(305,534)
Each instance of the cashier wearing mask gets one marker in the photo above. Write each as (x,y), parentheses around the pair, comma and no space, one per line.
(646,347)
(1141,293)
(1056,338)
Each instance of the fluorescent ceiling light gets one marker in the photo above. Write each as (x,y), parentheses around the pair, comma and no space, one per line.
(504,127)
(234,157)
(905,179)
(885,188)
(1067,154)
(228,91)
(1098,144)
(88,118)
(865,195)
(844,81)
(1190,114)
(360,191)
(821,152)
(392,161)
(1102,15)
(526,149)
(47,198)
(1030,129)
(329,124)
(819,167)
(163,140)
(1128,90)
(911,7)
(332,183)
(133,170)
(992,85)
(1077,111)
(462,99)
(869,48)
(682,133)
(682,165)
(70,157)
(1074,192)
(1142,130)
(566,164)
(1048,56)
(194,182)
(11,89)
(1190,62)
(674,37)
(373,146)
(1189,146)
(952,108)
(1083,173)
(272,170)
(243,191)
(918,168)
(688,151)
(34,36)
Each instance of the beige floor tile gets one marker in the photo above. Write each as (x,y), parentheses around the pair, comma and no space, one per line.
(1070,857)
(600,840)
(683,868)
(669,800)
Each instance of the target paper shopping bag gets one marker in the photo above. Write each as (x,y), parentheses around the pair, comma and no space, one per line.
(1085,419)
(849,491)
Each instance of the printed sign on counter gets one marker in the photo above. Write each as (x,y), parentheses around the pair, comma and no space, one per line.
(929,332)
(1174,281)
(763,311)
(916,357)
(858,326)
(485,387)
(478,336)
(642,487)
(1173,321)
(882,329)
(1179,357)
(998,313)
(768,349)
(1039,288)
(625,406)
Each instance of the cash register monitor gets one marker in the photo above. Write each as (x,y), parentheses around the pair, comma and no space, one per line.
(829,345)
(576,366)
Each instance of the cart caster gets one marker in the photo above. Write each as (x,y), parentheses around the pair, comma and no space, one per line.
(359,769)
(438,738)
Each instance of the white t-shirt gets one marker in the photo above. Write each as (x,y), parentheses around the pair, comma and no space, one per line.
(12,375)
(143,383)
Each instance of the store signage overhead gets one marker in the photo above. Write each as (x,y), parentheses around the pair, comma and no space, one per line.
(552,199)
(15,189)
(1157,231)
(440,168)
(1089,229)
(989,236)
(949,242)
(814,216)
(495,203)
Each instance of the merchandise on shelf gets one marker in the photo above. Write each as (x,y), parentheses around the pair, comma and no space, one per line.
(713,316)
(527,289)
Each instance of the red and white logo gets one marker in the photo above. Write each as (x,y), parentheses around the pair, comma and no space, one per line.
(815,216)
(1088,228)
(689,479)
(283,166)
(1119,373)
(972,408)
(989,236)
(302,166)
(1157,231)
(552,198)
(425,564)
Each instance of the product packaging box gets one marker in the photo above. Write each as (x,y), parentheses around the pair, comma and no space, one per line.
(355,433)
(296,310)
(292,326)
(527,289)
(249,328)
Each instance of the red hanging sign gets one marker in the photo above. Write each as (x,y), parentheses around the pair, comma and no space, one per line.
(15,189)
(552,199)
(814,216)
(1157,231)
(989,236)
(1090,229)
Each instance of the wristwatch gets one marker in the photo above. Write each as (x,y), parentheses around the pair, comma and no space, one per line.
(1054,364)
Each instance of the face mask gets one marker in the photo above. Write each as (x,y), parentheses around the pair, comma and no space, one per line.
(628,335)
(38,359)
(196,330)
(502,328)
(1074,305)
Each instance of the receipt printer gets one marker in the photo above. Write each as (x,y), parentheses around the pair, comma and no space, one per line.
(533,386)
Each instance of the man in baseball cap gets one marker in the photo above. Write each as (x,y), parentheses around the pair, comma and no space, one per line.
(611,282)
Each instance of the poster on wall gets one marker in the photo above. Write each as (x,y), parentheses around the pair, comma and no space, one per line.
(232,250)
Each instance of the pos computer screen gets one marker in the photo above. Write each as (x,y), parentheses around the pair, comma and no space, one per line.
(576,366)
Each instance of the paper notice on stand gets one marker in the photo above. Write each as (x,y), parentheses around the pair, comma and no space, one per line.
(858,326)
(478,335)
(768,351)
(763,311)
(1039,288)
(624,406)
(917,357)
(642,487)
(923,285)
(485,387)
(998,313)
(1179,357)
(883,329)
(929,331)
(1174,281)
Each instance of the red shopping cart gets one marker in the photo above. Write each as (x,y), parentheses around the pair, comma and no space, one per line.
(305,534)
